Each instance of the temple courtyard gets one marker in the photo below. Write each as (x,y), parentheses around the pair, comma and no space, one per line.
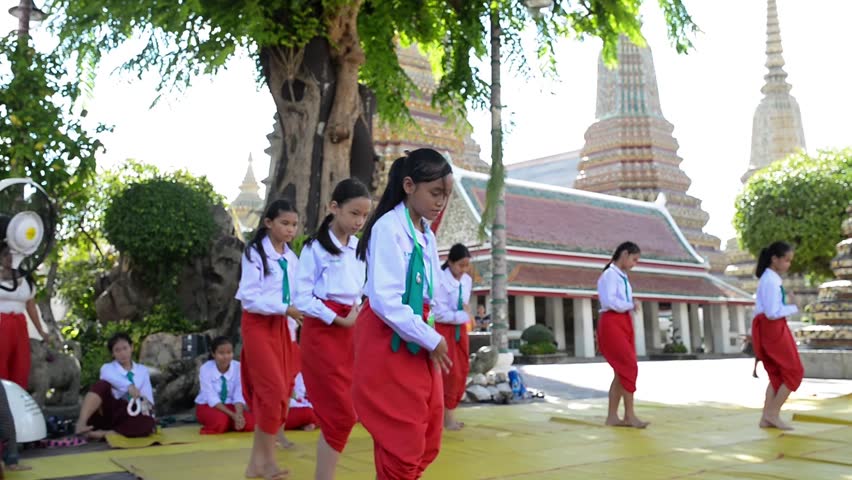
(704,426)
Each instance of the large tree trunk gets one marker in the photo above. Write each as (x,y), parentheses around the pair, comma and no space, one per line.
(499,287)
(325,117)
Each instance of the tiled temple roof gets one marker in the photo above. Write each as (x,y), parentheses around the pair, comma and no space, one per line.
(564,219)
(559,240)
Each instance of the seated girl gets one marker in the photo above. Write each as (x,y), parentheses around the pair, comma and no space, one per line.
(301,414)
(105,408)
(220,406)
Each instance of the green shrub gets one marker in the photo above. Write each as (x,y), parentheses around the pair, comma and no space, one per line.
(676,347)
(538,348)
(161,224)
(537,334)
(802,200)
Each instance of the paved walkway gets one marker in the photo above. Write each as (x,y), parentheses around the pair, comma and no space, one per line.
(701,429)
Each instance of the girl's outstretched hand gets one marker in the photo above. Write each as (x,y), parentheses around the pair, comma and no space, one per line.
(440,357)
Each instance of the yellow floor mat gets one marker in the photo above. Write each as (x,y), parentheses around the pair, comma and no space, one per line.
(533,442)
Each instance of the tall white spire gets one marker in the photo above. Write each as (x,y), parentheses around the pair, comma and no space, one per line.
(777,128)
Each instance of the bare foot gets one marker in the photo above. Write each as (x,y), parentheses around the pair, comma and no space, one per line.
(18,468)
(80,429)
(616,422)
(764,423)
(268,472)
(454,426)
(635,422)
(778,423)
(97,434)
(309,427)
(283,442)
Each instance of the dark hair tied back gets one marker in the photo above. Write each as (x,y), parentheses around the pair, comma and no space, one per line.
(117,337)
(777,249)
(421,165)
(457,252)
(346,190)
(274,209)
(629,247)
(218,342)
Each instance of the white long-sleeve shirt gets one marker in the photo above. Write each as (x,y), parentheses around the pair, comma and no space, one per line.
(446,304)
(323,276)
(614,291)
(210,383)
(388,254)
(261,293)
(114,374)
(769,299)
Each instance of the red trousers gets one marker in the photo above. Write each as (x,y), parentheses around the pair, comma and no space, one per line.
(267,368)
(14,348)
(113,414)
(299,418)
(327,358)
(616,343)
(775,347)
(459,352)
(214,421)
(399,398)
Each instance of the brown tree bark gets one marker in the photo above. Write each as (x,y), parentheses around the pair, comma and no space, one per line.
(324,115)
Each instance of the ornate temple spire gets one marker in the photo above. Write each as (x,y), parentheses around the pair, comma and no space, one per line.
(776,78)
(630,150)
(777,129)
(248,205)
(249,184)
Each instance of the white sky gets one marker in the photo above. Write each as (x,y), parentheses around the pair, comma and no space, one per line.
(709,95)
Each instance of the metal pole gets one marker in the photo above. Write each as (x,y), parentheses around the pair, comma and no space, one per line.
(25,8)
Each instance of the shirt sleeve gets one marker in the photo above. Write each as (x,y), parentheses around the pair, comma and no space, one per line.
(115,377)
(462,317)
(310,270)
(387,270)
(238,384)
(207,395)
(443,308)
(769,294)
(144,386)
(609,286)
(251,288)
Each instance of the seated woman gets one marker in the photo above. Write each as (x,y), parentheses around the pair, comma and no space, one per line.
(220,406)
(301,415)
(105,407)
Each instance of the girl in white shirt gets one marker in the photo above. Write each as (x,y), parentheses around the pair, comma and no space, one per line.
(329,286)
(397,388)
(268,364)
(773,342)
(452,320)
(104,408)
(220,406)
(615,333)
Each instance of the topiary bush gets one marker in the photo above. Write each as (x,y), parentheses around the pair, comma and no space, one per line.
(537,334)
(802,200)
(160,224)
(538,348)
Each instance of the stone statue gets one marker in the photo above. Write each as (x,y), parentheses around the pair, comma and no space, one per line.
(483,360)
(57,371)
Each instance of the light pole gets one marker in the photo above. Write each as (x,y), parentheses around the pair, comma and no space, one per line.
(26,12)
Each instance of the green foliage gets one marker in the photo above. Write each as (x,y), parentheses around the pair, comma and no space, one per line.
(161,224)
(181,40)
(537,334)
(40,137)
(675,347)
(801,200)
(163,318)
(538,348)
